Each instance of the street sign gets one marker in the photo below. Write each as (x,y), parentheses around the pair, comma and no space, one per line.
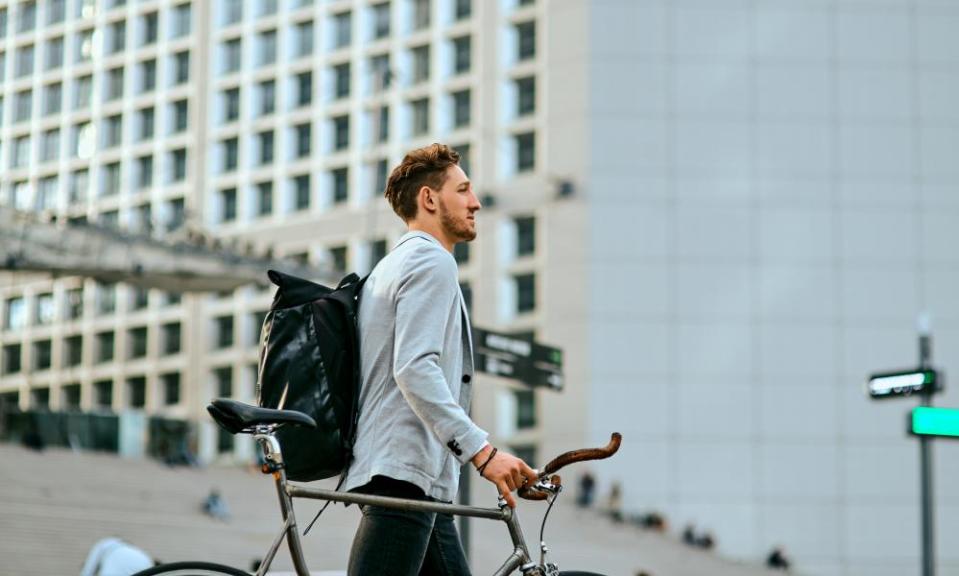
(931,421)
(521,359)
(519,369)
(498,342)
(903,383)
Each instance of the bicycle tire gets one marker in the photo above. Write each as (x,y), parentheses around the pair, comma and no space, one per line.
(192,569)
(577,573)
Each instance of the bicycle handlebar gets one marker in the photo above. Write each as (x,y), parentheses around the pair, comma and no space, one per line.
(567,458)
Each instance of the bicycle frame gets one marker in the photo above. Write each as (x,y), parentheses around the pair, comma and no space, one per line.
(519,559)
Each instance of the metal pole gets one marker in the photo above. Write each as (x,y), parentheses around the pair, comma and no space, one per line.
(464,499)
(925,465)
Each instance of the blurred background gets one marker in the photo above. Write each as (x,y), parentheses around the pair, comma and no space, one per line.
(725,214)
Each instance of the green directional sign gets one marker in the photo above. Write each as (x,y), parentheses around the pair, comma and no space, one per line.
(930,421)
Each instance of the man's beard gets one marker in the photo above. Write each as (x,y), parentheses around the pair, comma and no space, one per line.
(458,229)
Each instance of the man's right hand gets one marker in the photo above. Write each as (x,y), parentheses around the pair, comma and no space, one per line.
(506,471)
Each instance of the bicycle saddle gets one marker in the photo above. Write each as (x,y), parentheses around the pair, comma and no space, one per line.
(237,416)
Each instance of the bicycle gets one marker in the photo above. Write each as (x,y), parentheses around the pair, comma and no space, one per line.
(240,418)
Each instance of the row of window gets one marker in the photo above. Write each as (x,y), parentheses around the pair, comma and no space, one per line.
(45,310)
(169,391)
(26,16)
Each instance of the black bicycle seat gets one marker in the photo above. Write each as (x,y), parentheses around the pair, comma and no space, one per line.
(237,417)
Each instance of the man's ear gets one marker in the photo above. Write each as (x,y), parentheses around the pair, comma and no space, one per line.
(426,199)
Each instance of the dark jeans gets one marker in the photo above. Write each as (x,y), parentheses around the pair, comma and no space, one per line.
(399,543)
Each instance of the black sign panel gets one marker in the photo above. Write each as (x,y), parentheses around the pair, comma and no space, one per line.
(520,359)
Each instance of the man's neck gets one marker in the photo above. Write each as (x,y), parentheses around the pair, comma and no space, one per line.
(433,230)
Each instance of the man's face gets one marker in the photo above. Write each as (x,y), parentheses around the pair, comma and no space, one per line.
(458,206)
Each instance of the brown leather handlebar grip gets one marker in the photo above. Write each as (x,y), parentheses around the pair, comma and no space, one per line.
(571,457)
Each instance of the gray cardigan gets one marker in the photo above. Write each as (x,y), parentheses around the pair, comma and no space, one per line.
(417,367)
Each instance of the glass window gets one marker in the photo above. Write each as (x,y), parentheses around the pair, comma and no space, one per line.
(301,192)
(224,332)
(342,29)
(150,26)
(267,7)
(180,115)
(113,131)
(148,75)
(171,338)
(181,67)
(83,92)
(341,81)
(304,88)
(137,338)
(420,116)
(180,25)
(52,98)
(143,220)
(264,198)
(22,105)
(525,292)
(56,11)
(110,185)
(339,256)
(461,252)
(462,54)
(265,144)
(381,20)
(382,173)
(232,11)
(140,297)
(231,154)
(26,16)
(50,145)
(341,132)
(341,185)
(15,314)
(117,37)
(103,393)
(145,124)
(24,61)
(12,358)
(232,55)
(73,350)
(136,392)
(85,46)
(267,97)
(525,96)
(105,346)
(421,63)
(170,383)
(3,22)
(224,381)
(303,135)
(40,398)
(176,216)
(461,108)
(421,14)
(228,205)
(54,53)
(525,40)
(525,235)
(21,152)
(304,39)
(377,251)
(79,186)
(231,104)
(70,396)
(381,128)
(47,192)
(178,165)
(380,69)
(266,48)
(525,151)
(462,9)
(114,84)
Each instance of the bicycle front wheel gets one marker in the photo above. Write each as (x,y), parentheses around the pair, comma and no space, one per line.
(577,573)
(192,569)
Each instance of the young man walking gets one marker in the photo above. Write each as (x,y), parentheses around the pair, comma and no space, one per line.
(414,431)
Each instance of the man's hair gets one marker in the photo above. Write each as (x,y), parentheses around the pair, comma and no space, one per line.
(421,167)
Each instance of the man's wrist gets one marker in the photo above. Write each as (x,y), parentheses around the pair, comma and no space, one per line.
(482,455)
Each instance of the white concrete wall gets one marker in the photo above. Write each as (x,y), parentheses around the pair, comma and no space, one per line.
(774,194)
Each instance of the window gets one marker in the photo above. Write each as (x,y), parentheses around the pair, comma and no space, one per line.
(79,186)
(224,381)
(265,146)
(73,350)
(148,75)
(462,54)
(377,251)
(341,81)
(224,332)
(338,257)
(228,205)
(3,22)
(110,184)
(15,314)
(301,192)
(171,339)
(267,7)
(21,153)
(525,292)
(266,48)
(26,16)
(56,11)
(85,46)
(467,291)
(421,14)
(47,192)
(181,67)
(341,132)
(341,185)
(12,358)
(232,55)
(231,104)
(421,64)
(52,98)
(22,105)
(342,29)
(232,11)
(180,115)
(382,173)
(70,396)
(109,219)
(105,342)
(140,296)
(136,392)
(180,24)
(381,120)
(303,134)
(50,145)
(114,88)
(117,37)
(525,151)
(525,96)
(267,93)
(178,165)
(138,342)
(145,123)
(150,25)
(24,61)
(525,235)
(40,399)
(176,215)
(113,131)
(462,9)
(304,39)
(83,92)
(54,54)
(304,88)
(420,116)
(264,198)
(381,20)
(142,219)
(461,108)
(231,154)
(380,69)
(144,172)
(525,40)
(170,384)
(103,393)
(461,252)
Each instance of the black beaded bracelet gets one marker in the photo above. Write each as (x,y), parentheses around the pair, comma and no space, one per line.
(488,460)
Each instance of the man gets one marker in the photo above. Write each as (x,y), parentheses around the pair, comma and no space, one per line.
(414,431)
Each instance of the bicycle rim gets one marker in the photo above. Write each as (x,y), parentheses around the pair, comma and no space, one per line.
(192,569)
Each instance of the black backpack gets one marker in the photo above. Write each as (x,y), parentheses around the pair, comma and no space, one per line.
(309,361)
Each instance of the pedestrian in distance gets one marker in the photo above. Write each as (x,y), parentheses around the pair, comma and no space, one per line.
(416,369)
